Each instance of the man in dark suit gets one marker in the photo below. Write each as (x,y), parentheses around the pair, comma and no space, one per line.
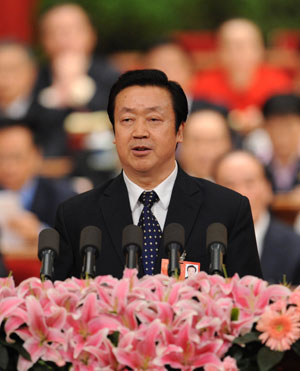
(18,72)
(282,123)
(278,244)
(20,161)
(68,38)
(148,112)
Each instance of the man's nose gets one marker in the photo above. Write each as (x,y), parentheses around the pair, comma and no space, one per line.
(140,129)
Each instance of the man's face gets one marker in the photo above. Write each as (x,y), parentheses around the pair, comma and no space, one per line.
(145,134)
(67,29)
(19,159)
(17,74)
(191,271)
(240,46)
(206,138)
(243,174)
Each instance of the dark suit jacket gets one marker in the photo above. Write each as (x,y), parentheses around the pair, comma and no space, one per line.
(281,253)
(195,203)
(48,195)
(46,123)
(3,269)
(295,178)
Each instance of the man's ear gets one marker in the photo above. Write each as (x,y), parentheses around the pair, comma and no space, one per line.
(179,134)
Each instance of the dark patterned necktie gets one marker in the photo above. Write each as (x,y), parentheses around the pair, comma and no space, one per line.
(151,230)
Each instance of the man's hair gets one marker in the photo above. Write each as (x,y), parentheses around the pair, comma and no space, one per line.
(14,43)
(11,124)
(281,104)
(150,78)
(49,7)
(265,172)
(203,105)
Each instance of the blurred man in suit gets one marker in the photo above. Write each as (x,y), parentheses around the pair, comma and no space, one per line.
(148,112)
(206,137)
(74,78)
(20,162)
(18,73)
(278,245)
(282,123)
(242,81)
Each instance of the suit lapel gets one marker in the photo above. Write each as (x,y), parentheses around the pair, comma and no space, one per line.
(186,199)
(116,212)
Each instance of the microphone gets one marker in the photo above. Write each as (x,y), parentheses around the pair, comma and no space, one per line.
(48,249)
(173,244)
(132,242)
(90,247)
(216,243)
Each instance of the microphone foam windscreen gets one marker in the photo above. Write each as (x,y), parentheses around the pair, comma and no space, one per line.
(48,239)
(90,236)
(174,232)
(216,232)
(132,235)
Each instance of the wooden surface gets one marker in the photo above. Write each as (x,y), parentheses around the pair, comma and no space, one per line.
(286,207)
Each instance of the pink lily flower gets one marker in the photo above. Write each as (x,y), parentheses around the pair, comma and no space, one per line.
(188,352)
(138,349)
(43,335)
(8,305)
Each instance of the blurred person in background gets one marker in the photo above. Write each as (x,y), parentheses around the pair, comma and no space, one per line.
(282,123)
(174,61)
(206,137)
(169,57)
(243,81)
(278,245)
(17,79)
(77,81)
(38,197)
(18,72)
(75,77)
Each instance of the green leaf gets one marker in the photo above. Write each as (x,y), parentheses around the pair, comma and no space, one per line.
(296,347)
(235,314)
(267,358)
(248,338)
(19,348)
(3,358)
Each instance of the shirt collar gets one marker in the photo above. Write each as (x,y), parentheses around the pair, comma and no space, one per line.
(18,108)
(163,190)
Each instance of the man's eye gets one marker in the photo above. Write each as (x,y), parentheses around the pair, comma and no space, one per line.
(127,119)
(154,119)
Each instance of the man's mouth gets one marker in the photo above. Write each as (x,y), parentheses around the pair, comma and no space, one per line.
(141,149)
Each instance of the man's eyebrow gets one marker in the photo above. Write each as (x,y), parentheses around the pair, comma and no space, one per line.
(148,109)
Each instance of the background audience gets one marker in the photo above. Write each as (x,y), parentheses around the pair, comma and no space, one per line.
(51,123)
(34,199)
(242,81)
(278,244)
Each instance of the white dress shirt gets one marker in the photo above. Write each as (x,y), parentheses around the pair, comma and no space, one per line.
(261,227)
(160,208)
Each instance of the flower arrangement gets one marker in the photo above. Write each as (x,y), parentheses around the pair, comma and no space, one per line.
(153,323)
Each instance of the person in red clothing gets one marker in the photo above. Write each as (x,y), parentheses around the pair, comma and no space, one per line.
(243,81)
